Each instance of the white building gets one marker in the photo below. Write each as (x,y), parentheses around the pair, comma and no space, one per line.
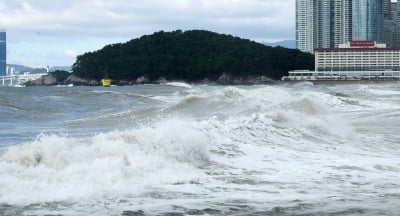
(354,60)
(358,56)
(10,71)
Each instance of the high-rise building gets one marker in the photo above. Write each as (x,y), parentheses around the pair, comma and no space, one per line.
(387,12)
(343,22)
(305,25)
(313,24)
(393,11)
(368,22)
(391,24)
(323,23)
(396,10)
(3,53)
(392,34)
(328,23)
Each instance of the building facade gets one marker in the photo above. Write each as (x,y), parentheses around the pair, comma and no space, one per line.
(387,12)
(361,56)
(392,24)
(323,23)
(3,53)
(305,25)
(392,34)
(355,60)
(343,22)
(368,21)
(394,12)
(328,23)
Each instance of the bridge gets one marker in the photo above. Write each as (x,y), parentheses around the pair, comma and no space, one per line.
(18,79)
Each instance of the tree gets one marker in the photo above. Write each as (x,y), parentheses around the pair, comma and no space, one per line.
(191,55)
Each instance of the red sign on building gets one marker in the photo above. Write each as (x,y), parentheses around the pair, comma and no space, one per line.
(364,43)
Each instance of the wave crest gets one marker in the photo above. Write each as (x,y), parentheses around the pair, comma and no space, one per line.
(58,168)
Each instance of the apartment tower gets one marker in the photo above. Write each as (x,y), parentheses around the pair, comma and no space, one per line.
(323,23)
(368,22)
(305,25)
(343,22)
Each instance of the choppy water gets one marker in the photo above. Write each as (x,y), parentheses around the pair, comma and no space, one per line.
(177,149)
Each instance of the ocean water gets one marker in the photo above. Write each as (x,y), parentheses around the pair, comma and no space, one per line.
(180,149)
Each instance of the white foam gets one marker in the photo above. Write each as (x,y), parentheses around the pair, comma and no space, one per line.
(298,110)
(378,90)
(260,144)
(179,84)
(55,168)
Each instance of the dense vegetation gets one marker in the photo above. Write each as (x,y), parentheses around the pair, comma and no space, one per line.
(60,75)
(190,55)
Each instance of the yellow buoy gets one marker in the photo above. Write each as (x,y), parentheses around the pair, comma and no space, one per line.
(106,82)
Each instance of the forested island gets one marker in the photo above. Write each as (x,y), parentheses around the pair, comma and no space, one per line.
(191,56)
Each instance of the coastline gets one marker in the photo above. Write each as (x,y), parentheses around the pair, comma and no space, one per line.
(53,79)
(341,82)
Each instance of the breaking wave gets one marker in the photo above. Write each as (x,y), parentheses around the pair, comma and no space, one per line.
(59,168)
(263,146)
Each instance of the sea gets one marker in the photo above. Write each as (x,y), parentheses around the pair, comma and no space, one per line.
(177,149)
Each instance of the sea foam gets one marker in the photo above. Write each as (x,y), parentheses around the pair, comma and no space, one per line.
(59,168)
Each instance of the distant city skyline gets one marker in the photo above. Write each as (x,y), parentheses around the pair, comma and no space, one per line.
(329,23)
(54,32)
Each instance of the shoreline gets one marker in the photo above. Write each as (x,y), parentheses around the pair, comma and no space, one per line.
(341,82)
(65,78)
(53,79)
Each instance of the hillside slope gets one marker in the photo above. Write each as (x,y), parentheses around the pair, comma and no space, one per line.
(191,55)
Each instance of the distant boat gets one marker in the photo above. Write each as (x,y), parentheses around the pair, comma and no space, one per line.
(106,82)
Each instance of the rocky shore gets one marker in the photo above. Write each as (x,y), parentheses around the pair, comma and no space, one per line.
(66,78)
(61,78)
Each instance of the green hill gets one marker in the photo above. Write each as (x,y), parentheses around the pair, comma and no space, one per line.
(191,55)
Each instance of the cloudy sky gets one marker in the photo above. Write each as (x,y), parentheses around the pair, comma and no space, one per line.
(54,32)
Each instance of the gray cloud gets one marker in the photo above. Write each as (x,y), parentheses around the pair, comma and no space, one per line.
(127,18)
(51,32)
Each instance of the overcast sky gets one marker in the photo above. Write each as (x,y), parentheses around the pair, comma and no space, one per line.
(54,32)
